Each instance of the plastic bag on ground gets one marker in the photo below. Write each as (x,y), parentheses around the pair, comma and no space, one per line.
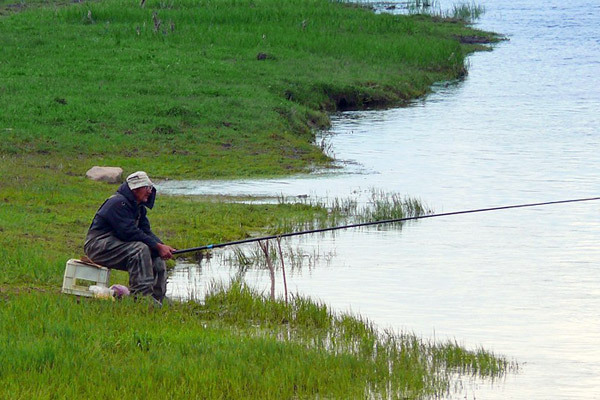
(119,291)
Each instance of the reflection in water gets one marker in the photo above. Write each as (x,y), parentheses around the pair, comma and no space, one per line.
(523,127)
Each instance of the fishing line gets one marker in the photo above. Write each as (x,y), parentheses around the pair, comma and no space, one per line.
(385,221)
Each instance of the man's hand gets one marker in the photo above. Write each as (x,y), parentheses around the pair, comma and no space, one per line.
(165,252)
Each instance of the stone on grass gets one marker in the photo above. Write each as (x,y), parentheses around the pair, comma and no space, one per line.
(105,174)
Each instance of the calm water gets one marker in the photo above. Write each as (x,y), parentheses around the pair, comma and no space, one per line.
(523,127)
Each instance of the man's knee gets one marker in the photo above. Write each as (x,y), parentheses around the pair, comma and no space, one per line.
(141,248)
(140,259)
(142,253)
(159,265)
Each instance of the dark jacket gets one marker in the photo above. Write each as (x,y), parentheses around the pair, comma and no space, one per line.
(121,215)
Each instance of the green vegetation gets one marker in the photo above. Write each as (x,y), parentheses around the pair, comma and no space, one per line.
(464,12)
(195,89)
(351,210)
(235,345)
(202,88)
(379,207)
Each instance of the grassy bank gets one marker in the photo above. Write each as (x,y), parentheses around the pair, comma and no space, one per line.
(236,345)
(205,88)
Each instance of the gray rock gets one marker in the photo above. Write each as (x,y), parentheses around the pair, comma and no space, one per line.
(105,174)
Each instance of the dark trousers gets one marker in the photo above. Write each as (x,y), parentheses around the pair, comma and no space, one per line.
(147,271)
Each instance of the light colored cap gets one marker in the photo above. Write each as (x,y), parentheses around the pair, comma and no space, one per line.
(138,179)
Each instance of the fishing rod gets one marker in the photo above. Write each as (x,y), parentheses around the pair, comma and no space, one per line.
(385,221)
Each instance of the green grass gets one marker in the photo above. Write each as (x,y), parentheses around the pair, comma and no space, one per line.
(461,12)
(467,11)
(380,206)
(237,344)
(97,81)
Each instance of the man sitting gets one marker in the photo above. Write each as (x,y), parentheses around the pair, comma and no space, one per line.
(120,237)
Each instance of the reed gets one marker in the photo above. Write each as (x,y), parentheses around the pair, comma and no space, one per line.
(379,205)
(426,7)
(296,258)
(466,11)
(383,206)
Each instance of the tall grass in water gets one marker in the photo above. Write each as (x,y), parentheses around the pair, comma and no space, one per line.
(296,258)
(421,6)
(465,12)
(380,205)
(383,206)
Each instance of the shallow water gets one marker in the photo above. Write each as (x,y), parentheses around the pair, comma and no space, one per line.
(523,127)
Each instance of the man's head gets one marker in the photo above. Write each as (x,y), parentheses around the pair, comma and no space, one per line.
(141,186)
